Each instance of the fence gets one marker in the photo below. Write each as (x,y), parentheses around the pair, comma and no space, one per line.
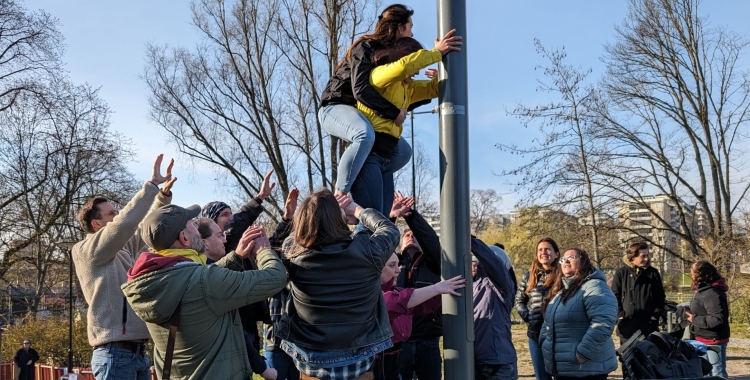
(51,372)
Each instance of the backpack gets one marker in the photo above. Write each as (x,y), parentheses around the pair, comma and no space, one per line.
(662,356)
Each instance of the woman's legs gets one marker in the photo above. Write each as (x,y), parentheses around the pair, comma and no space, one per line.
(347,123)
(718,360)
(401,155)
(367,189)
(537,360)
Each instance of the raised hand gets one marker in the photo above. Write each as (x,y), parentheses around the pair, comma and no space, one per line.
(350,208)
(401,205)
(291,204)
(156,177)
(260,241)
(449,286)
(266,186)
(431,73)
(246,246)
(401,117)
(167,189)
(449,43)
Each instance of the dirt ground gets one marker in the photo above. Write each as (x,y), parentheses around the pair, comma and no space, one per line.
(738,358)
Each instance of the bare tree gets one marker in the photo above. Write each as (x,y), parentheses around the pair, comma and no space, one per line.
(246,99)
(677,109)
(57,151)
(30,51)
(483,208)
(424,174)
(562,170)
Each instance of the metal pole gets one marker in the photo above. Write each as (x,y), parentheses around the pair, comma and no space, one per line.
(458,318)
(70,312)
(413,163)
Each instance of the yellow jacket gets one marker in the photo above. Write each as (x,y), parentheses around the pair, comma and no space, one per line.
(388,80)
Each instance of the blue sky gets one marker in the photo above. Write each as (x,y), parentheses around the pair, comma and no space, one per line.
(106,43)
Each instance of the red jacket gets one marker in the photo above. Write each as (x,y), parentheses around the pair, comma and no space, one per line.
(396,301)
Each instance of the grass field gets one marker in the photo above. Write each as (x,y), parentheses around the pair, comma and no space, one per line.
(738,363)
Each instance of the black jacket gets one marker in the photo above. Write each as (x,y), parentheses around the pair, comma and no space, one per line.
(710,313)
(351,83)
(640,296)
(336,300)
(22,357)
(529,305)
(420,271)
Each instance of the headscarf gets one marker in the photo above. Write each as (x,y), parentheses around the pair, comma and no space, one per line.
(212,209)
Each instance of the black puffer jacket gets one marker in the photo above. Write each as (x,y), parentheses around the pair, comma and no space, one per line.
(529,305)
(710,312)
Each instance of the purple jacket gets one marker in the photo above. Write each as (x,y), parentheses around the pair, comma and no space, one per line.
(493,299)
(399,315)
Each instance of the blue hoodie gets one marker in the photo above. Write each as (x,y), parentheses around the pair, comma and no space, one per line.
(493,300)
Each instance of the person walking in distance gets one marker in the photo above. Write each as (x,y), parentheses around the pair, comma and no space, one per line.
(102,259)
(640,293)
(531,296)
(25,359)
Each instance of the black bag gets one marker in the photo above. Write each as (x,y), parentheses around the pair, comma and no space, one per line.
(663,356)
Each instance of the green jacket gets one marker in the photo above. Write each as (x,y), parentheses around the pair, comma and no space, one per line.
(210,343)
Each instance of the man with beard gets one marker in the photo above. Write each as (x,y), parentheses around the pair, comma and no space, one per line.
(172,280)
(640,293)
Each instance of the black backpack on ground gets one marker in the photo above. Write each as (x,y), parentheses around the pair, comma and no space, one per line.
(662,356)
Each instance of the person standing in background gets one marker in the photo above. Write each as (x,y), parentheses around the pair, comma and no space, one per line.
(530,297)
(25,359)
(640,293)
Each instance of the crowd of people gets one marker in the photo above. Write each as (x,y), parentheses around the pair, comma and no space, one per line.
(341,302)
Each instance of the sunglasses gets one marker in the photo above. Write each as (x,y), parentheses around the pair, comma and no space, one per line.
(569,258)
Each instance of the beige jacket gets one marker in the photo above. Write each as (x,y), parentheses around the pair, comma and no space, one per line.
(102,260)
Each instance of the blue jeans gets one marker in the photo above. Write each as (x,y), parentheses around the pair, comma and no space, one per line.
(537,360)
(373,187)
(422,356)
(718,360)
(109,363)
(282,363)
(496,372)
(347,123)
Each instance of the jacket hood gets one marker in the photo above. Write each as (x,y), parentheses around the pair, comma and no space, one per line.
(157,286)
(149,262)
(721,284)
(631,265)
(596,275)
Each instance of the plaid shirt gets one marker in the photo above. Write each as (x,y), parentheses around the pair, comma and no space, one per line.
(343,372)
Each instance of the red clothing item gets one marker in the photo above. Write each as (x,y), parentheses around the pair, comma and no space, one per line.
(150,262)
(400,316)
(711,342)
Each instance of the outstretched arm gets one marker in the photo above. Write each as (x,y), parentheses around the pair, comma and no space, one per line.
(494,268)
(361,66)
(247,215)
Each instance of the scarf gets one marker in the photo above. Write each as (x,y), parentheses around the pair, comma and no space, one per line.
(189,254)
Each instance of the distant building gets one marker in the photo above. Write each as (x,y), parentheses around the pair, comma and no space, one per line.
(657,217)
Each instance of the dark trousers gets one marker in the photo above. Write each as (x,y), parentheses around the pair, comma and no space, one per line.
(387,364)
(27,372)
(422,356)
(496,372)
